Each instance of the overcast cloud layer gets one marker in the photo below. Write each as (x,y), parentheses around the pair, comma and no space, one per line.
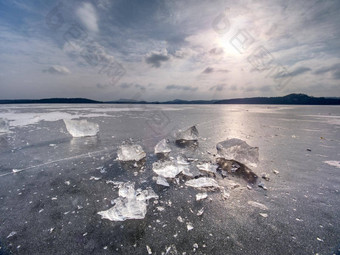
(163,50)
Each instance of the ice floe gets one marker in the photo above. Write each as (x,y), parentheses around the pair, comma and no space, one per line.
(81,128)
(130,152)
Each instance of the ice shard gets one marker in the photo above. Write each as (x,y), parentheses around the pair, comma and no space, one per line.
(167,169)
(207,167)
(162,147)
(81,128)
(130,152)
(190,134)
(239,150)
(202,182)
(4,126)
(130,204)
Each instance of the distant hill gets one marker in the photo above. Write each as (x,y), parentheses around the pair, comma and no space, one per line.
(297,99)
(292,99)
(51,101)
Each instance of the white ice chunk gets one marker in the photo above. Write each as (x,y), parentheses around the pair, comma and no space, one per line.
(239,150)
(81,128)
(333,163)
(191,134)
(257,205)
(130,152)
(201,196)
(4,126)
(130,204)
(162,181)
(167,169)
(202,182)
(207,167)
(162,147)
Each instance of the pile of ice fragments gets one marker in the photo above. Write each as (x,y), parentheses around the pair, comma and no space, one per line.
(232,159)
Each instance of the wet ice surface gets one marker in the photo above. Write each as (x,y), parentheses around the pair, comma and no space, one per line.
(52,186)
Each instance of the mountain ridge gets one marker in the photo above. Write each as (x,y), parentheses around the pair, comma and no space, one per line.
(292,99)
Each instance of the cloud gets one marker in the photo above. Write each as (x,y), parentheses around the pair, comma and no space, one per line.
(265,88)
(296,72)
(88,16)
(155,59)
(208,70)
(57,70)
(216,51)
(132,85)
(180,87)
(334,70)
(217,87)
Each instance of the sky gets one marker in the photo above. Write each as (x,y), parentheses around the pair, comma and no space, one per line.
(163,50)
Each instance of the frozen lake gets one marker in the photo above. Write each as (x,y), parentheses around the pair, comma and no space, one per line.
(52,185)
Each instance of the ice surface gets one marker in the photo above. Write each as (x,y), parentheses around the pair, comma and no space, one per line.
(81,128)
(207,167)
(202,182)
(190,134)
(162,181)
(130,152)
(239,150)
(130,204)
(167,169)
(162,147)
(4,126)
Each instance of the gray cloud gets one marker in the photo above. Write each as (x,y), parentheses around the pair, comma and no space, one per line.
(296,72)
(131,85)
(219,87)
(208,70)
(265,88)
(334,70)
(57,70)
(180,87)
(216,51)
(156,59)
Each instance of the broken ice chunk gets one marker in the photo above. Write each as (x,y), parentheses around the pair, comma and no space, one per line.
(190,134)
(13,233)
(258,205)
(162,181)
(242,170)
(130,152)
(239,150)
(4,126)
(162,147)
(190,226)
(202,182)
(81,128)
(130,204)
(207,167)
(166,169)
(201,196)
